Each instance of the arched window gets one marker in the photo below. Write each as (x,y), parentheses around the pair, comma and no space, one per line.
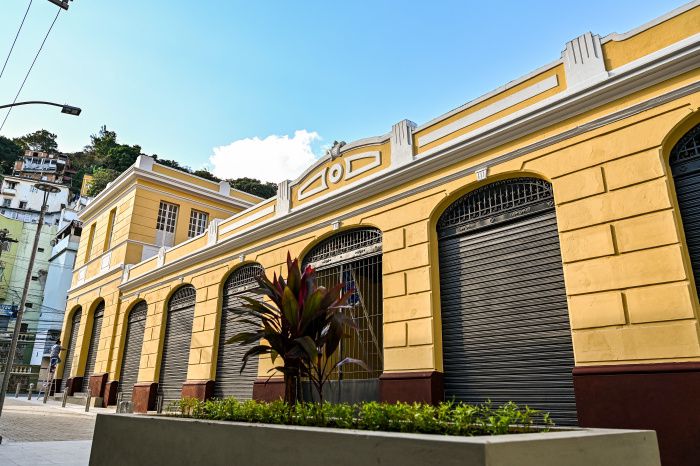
(94,345)
(70,344)
(229,380)
(355,258)
(176,347)
(685,167)
(506,334)
(133,343)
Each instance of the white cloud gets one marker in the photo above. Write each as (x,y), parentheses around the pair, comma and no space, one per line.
(274,158)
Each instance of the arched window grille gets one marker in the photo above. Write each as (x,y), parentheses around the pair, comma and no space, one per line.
(354,257)
(496,202)
(184,297)
(243,279)
(685,155)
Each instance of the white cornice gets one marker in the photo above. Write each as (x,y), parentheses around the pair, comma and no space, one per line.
(370,186)
(127,179)
(638,75)
(633,32)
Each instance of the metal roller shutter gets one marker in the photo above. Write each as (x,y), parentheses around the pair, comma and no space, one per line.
(75,326)
(505,323)
(229,380)
(132,349)
(94,345)
(685,165)
(176,348)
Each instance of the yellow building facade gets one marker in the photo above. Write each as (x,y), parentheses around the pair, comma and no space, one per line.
(535,244)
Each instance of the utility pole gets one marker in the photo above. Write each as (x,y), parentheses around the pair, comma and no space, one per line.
(47,189)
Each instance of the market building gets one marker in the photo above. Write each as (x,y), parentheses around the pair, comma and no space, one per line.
(537,244)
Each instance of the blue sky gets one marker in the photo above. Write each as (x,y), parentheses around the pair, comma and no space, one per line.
(262,87)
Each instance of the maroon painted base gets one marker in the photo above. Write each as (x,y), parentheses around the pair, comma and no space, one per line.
(97,385)
(110,394)
(144,396)
(422,387)
(202,390)
(268,390)
(73,385)
(662,397)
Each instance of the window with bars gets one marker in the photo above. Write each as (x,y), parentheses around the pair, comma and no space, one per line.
(354,258)
(167,216)
(198,223)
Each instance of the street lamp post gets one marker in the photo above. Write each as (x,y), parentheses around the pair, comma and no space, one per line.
(65,108)
(47,189)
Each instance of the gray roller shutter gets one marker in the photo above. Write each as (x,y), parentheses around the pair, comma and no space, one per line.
(132,349)
(229,380)
(176,348)
(94,345)
(75,326)
(505,324)
(685,165)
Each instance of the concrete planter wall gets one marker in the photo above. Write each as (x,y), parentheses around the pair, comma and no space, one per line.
(128,439)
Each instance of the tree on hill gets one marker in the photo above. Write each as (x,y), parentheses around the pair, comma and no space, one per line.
(9,152)
(254,187)
(104,158)
(42,141)
(101,177)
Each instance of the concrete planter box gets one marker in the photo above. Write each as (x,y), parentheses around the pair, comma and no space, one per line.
(128,439)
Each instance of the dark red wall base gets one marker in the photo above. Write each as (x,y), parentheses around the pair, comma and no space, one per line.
(110,394)
(268,390)
(422,387)
(662,397)
(202,390)
(73,385)
(97,385)
(144,396)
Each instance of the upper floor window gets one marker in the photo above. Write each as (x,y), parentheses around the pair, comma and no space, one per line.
(198,223)
(91,238)
(10,184)
(6,202)
(110,228)
(22,204)
(165,224)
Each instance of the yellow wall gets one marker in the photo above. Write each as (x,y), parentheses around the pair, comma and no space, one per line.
(628,278)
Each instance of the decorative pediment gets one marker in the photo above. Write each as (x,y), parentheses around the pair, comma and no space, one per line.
(338,169)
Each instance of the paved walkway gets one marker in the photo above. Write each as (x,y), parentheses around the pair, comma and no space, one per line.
(34,433)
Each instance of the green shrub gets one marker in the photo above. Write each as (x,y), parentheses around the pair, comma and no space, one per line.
(448,418)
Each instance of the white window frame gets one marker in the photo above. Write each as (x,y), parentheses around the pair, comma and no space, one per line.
(166,223)
(198,223)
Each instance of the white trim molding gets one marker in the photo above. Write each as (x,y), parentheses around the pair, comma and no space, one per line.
(583,61)
(248,219)
(517,97)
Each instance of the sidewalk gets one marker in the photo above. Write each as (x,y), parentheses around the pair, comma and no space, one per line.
(35,433)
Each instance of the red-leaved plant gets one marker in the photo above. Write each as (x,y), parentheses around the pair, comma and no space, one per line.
(299,322)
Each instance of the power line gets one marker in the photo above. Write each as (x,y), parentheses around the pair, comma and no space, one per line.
(30,68)
(16,36)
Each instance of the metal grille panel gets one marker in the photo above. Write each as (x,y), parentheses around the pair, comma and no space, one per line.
(354,257)
(685,164)
(344,247)
(176,347)
(493,203)
(94,345)
(687,148)
(133,343)
(229,380)
(505,325)
(75,326)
